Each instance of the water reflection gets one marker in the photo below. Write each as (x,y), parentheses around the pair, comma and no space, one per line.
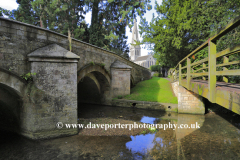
(141,143)
(215,139)
(165,142)
(150,120)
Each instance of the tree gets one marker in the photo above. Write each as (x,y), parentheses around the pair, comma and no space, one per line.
(109,21)
(25,13)
(182,25)
(61,15)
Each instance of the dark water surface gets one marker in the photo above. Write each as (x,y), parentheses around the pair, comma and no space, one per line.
(218,138)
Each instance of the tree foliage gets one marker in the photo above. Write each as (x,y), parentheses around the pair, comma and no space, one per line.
(155,68)
(182,25)
(61,15)
(109,21)
(25,13)
(6,13)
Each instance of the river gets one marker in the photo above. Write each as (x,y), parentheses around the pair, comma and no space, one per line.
(217,138)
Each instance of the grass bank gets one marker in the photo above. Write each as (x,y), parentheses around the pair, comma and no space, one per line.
(153,90)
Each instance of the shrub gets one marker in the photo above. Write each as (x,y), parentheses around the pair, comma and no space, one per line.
(28,77)
(157,74)
(120,97)
(155,68)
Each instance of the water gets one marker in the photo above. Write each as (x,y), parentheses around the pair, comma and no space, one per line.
(217,138)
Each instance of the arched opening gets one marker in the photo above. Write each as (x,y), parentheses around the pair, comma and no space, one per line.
(10,109)
(12,89)
(93,85)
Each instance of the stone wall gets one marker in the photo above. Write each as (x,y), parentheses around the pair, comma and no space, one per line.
(188,101)
(175,88)
(168,107)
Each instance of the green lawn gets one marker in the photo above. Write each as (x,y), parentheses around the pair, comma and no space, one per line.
(153,90)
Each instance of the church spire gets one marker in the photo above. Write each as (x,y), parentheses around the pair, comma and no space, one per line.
(135,50)
(135,33)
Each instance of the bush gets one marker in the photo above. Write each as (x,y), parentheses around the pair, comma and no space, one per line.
(157,74)
(119,97)
(155,68)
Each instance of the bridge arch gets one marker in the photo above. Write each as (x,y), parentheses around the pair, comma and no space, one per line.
(12,89)
(93,84)
(13,81)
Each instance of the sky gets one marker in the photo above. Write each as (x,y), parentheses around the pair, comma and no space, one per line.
(11,4)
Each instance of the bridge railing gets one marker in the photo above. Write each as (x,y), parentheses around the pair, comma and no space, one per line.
(207,67)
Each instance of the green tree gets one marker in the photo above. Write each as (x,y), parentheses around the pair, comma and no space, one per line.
(61,15)
(109,21)
(182,25)
(5,12)
(25,13)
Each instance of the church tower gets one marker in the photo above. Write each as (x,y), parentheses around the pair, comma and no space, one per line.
(135,51)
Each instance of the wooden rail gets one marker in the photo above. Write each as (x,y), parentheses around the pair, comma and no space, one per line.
(208,67)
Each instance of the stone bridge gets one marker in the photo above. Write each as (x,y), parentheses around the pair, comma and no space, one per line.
(33,105)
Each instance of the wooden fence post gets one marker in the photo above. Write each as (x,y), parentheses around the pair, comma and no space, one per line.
(204,65)
(225,60)
(212,71)
(188,73)
(180,74)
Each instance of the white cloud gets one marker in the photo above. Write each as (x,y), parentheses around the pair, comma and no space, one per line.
(8,4)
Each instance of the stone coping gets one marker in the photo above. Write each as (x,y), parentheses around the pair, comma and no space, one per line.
(118,64)
(168,107)
(53,51)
